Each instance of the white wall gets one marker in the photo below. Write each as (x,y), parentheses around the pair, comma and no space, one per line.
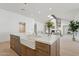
(9,22)
(40,26)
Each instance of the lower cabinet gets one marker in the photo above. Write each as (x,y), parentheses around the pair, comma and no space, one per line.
(26,51)
(15,43)
(43,49)
(12,42)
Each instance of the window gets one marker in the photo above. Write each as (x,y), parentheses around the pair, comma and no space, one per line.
(22,27)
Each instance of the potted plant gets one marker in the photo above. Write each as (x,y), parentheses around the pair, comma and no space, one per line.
(73,27)
(49,24)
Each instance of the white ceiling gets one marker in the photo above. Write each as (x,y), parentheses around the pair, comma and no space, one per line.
(40,11)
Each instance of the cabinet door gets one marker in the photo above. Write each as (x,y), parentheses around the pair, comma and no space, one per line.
(23,50)
(30,52)
(42,49)
(17,45)
(12,42)
(26,51)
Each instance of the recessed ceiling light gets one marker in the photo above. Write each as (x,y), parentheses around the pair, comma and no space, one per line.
(50,8)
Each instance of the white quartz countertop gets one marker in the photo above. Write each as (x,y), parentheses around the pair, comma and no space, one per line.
(29,40)
(28,43)
(48,40)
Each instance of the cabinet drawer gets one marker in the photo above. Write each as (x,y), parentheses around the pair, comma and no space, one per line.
(42,46)
(41,53)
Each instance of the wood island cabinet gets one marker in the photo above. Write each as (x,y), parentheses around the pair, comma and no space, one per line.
(41,49)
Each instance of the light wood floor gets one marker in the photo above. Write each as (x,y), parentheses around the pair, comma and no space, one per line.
(5,50)
(68,46)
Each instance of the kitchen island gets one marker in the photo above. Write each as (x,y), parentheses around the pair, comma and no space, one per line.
(30,45)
